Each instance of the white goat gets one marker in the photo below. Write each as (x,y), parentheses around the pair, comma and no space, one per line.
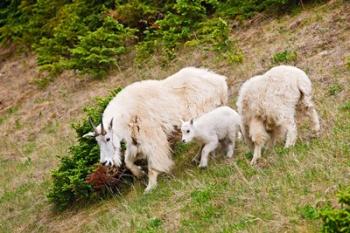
(268,103)
(146,113)
(220,125)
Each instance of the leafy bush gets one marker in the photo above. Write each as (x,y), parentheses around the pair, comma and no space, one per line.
(89,36)
(175,28)
(337,219)
(214,34)
(136,14)
(308,212)
(54,52)
(68,183)
(247,9)
(26,22)
(83,40)
(96,52)
(284,57)
(12,21)
(188,25)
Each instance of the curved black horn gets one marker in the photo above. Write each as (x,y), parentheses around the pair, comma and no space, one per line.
(111,124)
(103,131)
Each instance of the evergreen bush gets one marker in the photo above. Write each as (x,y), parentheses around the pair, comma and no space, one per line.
(337,220)
(68,180)
(89,36)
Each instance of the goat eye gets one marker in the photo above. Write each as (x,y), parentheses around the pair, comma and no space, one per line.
(188,131)
(108,139)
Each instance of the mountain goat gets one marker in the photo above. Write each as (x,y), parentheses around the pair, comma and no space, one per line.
(268,103)
(220,125)
(146,113)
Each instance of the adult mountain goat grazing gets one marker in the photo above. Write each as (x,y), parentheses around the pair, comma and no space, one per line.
(146,113)
(268,103)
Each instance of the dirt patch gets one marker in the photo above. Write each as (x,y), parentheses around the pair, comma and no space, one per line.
(15,77)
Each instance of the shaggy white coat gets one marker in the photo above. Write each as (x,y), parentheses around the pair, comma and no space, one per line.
(146,113)
(220,125)
(268,103)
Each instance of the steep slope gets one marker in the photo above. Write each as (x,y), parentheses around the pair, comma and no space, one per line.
(276,197)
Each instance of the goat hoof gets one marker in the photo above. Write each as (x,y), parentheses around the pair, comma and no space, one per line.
(253,162)
(149,189)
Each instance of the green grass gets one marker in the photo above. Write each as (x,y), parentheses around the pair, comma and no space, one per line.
(282,194)
(346,106)
(347,62)
(43,82)
(335,89)
(308,212)
(285,56)
(8,113)
(24,181)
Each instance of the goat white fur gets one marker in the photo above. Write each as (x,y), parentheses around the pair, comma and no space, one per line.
(268,103)
(146,113)
(220,125)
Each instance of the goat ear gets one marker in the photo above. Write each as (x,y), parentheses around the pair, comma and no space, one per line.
(182,121)
(191,122)
(89,134)
(111,124)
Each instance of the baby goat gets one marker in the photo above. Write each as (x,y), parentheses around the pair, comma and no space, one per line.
(220,125)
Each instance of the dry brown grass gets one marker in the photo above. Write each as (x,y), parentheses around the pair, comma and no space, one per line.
(35,127)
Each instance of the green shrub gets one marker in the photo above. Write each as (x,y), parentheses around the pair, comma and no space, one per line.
(96,52)
(247,9)
(214,34)
(12,21)
(337,219)
(136,13)
(180,24)
(14,27)
(54,52)
(26,22)
(83,40)
(68,180)
(284,57)
(308,212)
(89,36)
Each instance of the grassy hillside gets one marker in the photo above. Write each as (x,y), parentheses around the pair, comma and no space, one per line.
(90,37)
(280,195)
